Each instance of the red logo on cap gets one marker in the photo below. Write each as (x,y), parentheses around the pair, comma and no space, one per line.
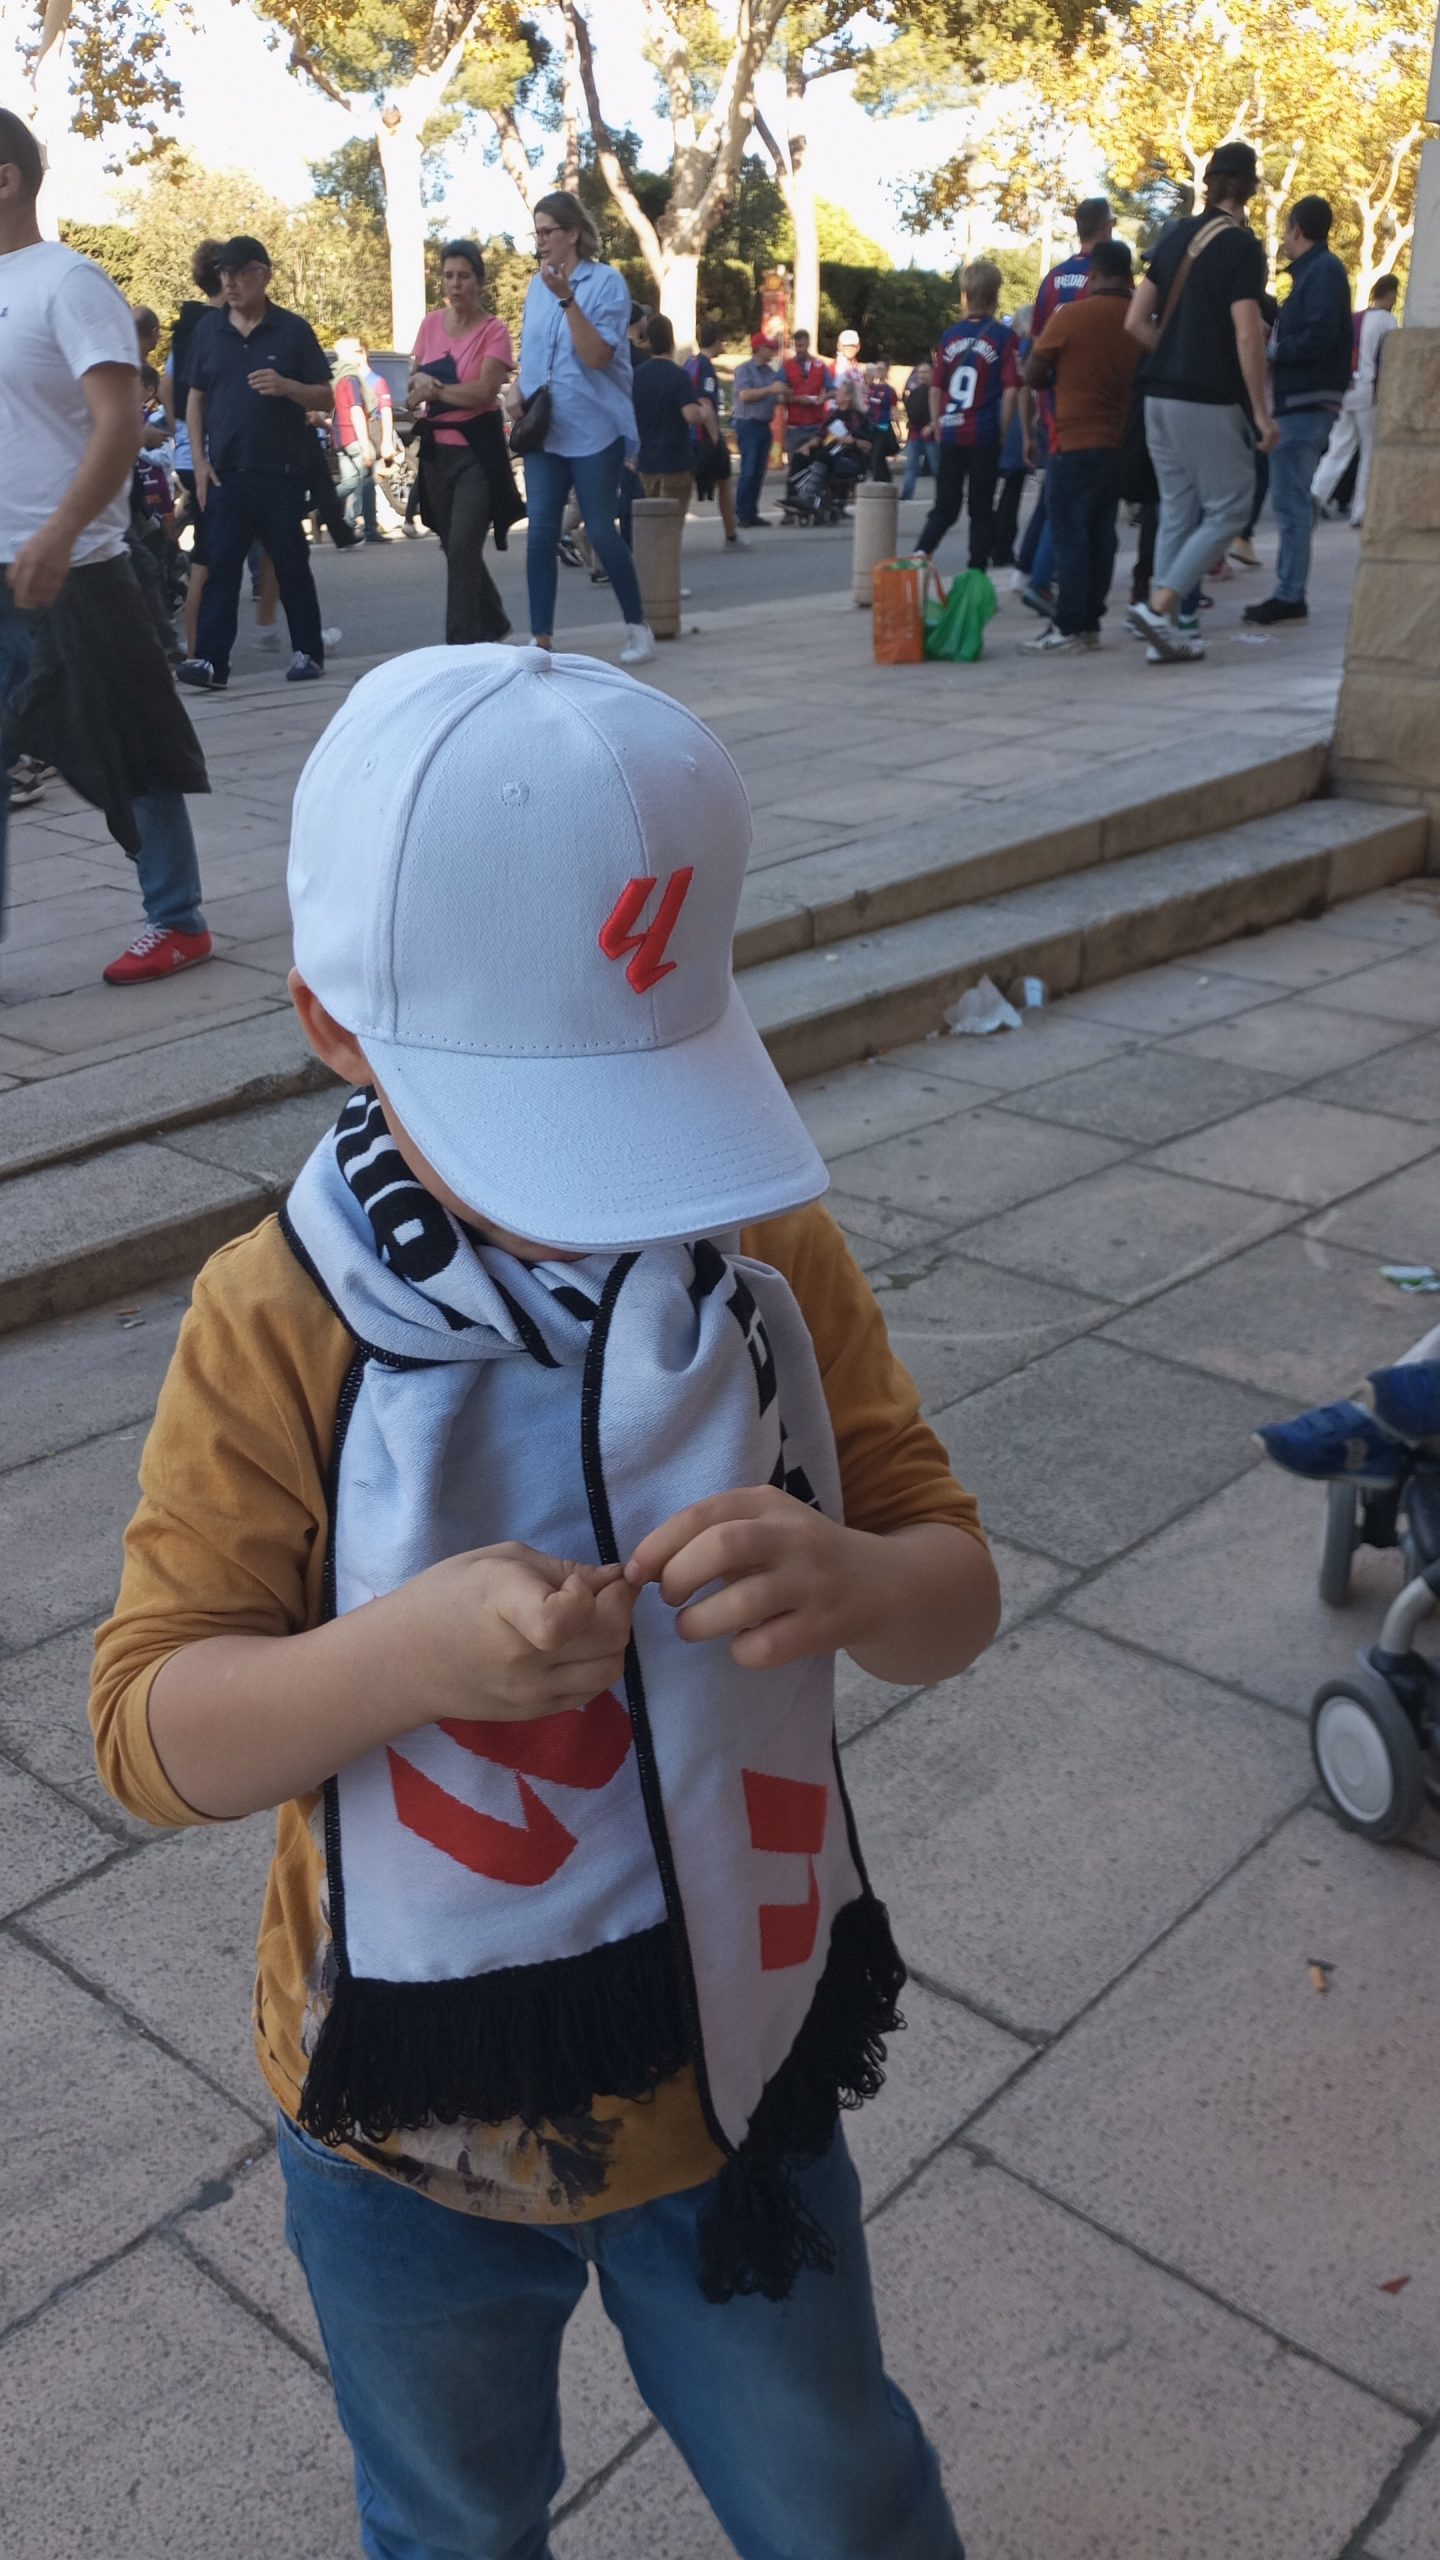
(648,964)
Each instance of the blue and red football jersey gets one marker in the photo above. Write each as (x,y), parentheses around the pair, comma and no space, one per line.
(1063,284)
(976,363)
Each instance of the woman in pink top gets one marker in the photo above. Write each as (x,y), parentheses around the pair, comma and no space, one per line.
(460,362)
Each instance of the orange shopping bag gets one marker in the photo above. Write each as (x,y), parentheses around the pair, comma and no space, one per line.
(898,617)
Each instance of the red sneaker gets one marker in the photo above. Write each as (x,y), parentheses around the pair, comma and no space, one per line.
(157,952)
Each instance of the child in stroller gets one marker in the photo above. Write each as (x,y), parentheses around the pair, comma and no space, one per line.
(1374,1730)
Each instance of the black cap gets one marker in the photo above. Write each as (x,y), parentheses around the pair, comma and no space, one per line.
(243,251)
(1234,160)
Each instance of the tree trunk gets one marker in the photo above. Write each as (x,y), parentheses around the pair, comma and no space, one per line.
(679,294)
(571,104)
(398,137)
(39,97)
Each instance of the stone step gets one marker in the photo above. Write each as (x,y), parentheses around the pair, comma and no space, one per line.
(236,1068)
(1104,813)
(111,1219)
(823,1008)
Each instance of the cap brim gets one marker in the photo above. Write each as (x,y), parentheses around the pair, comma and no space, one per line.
(640,1147)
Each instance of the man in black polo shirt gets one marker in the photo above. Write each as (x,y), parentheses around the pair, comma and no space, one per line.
(256,375)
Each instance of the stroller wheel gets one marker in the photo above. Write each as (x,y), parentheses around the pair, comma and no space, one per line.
(1338,1544)
(1368,1755)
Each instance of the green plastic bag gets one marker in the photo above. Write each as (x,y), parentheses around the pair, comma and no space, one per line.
(955,617)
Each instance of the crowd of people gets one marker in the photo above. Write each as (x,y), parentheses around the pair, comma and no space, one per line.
(1191,396)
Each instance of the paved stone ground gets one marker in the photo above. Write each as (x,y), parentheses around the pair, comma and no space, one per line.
(1139,2195)
(835,753)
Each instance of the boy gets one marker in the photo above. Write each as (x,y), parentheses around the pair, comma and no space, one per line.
(546,1547)
(711,451)
(974,384)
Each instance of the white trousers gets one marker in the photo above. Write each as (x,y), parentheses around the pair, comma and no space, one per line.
(1353,432)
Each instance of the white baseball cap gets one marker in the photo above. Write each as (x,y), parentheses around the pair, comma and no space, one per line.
(514,877)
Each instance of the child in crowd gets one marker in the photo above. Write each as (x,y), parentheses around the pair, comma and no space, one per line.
(973,394)
(509,1499)
(154,475)
(881,403)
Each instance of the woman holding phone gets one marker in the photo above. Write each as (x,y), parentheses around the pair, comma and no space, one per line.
(575,343)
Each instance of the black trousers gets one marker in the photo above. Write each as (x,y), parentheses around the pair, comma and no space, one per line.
(268,507)
(1084,500)
(457,504)
(962,469)
(1007,518)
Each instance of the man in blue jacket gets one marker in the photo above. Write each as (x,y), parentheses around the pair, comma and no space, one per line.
(1310,370)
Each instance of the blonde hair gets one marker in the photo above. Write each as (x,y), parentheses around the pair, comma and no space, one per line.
(982,282)
(572,215)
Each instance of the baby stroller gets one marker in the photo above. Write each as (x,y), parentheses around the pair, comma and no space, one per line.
(1375,1730)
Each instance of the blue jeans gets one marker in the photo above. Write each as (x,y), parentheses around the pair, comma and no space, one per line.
(1304,434)
(1084,499)
(919,463)
(596,481)
(443,2333)
(1036,555)
(357,482)
(167,862)
(753,437)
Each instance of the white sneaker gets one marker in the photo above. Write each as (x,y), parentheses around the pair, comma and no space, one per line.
(1175,652)
(267,635)
(639,645)
(1053,644)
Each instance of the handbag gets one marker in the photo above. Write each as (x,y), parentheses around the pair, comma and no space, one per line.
(531,428)
(897,590)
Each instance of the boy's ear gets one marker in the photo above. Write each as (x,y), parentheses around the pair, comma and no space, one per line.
(333,1045)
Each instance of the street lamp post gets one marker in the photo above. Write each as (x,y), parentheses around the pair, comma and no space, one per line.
(1387,735)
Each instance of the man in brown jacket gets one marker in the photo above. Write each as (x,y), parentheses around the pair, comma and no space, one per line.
(1085,353)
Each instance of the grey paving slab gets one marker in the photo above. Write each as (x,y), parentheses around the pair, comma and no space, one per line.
(1048,1044)
(1165,1000)
(1403,1081)
(874,1232)
(1081,2402)
(153,1012)
(943,2064)
(148,2414)
(861,1699)
(860,1104)
(991,1811)
(1303,1318)
(45,1841)
(1142,2115)
(1402,990)
(64,1221)
(43,1725)
(1230,1590)
(1123,1233)
(969,1168)
(957,1325)
(1293,1039)
(1295,955)
(1411,2530)
(270,1145)
(63,1383)
(1028,1583)
(169,1932)
(1093,1447)
(1403,917)
(105,2134)
(1295,1149)
(1396,1220)
(60,1527)
(1145,1099)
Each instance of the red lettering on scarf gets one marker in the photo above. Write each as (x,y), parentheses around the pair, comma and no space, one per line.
(580,1747)
(648,964)
(787,1819)
(528,1852)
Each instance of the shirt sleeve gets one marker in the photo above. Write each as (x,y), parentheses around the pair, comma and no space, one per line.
(91,320)
(494,346)
(313,364)
(893,1469)
(228,1535)
(607,306)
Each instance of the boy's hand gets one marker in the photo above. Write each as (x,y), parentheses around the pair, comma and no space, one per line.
(795,1582)
(505,1633)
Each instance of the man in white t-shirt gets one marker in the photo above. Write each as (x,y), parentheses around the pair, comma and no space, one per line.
(70,606)
(1354,429)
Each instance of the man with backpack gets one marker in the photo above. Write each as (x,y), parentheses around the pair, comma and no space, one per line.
(1197,316)
(364,432)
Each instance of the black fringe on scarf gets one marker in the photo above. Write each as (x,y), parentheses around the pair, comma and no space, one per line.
(538,2043)
(756,2235)
(535,2042)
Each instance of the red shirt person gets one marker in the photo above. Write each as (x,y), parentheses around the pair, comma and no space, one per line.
(807,392)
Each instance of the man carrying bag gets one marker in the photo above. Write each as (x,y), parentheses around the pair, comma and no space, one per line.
(1197,315)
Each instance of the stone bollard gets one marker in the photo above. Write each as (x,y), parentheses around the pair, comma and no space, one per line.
(877,530)
(657,527)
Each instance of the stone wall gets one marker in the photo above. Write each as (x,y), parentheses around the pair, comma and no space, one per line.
(1387,728)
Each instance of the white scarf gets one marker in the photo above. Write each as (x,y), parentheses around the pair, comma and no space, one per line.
(529,1915)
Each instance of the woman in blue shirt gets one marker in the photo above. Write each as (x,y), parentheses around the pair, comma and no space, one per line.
(575,338)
